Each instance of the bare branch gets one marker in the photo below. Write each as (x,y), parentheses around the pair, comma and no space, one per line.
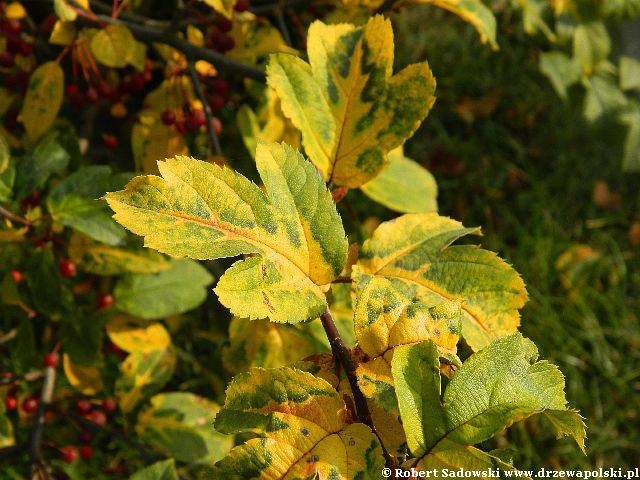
(197,87)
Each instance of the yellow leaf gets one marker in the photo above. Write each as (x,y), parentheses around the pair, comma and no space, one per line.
(225,7)
(86,380)
(43,99)
(113,46)
(66,12)
(15,11)
(135,335)
(255,38)
(63,33)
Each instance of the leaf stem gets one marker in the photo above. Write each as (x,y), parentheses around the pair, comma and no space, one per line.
(342,354)
(14,217)
(197,87)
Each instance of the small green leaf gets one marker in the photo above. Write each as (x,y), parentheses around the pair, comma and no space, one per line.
(165,470)
(561,70)
(169,292)
(629,73)
(43,99)
(180,425)
(591,44)
(602,97)
(403,186)
(114,46)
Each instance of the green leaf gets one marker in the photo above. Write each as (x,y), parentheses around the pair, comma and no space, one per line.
(561,70)
(74,203)
(225,7)
(49,294)
(5,154)
(350,109)
(6,428)
(472,11)
(497,386)
(591,44)
(7,180)
(81,337)
(43,99)
(414,253)
(403,186)
(202,211)
(48,157)
(631,153)
(179,424)
(304,429)
(165,470)
(142,374)
(629,73)
(101,259)
(65,12)
(113,46)
(176,290)
(602,97)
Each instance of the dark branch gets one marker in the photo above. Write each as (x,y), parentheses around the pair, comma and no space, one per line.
(147,34)
(197,87)
(386,5)
(13,217)
(35,440)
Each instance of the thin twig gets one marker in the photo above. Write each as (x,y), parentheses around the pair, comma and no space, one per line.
(197,87)
(386,5)
(343,355)
(343,280)
(14,217)
(36,463)
(283,26)
(151,35)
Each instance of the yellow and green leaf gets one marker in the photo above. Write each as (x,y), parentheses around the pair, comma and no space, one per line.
(414,252)
(142,374)
(87,380)
(179,425)
(135,335)
(303,425)
(292,231)
(350,109)
(43,99)
(113,46)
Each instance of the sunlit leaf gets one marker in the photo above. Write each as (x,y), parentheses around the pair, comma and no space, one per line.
(134,335)
(497,386)
(403,186)
(414,253)
(67,12)
(164,470)
(204,211)
(43,99)
(113,45)
(304,428)
(350,109)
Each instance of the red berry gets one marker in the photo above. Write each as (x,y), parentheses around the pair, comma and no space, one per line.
(199,117)
(147,76)
(67,268)
(222,42)
(216,102)
(13,26)
(69,453)
(148,65)
(16,275)
(30,405)
(92,95)
(105,89)
(7,60)
(85,437)
(109,404)
(242,6)
(52,359)
(168,117)
(86,452)
(71,90)
(138,82)
(110,141)
(83,406)
(13,44)
(98,417)
(224,24)
(221,86)
(217,125)
(104,301)
(181,127)
(25,49)
(10,402)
